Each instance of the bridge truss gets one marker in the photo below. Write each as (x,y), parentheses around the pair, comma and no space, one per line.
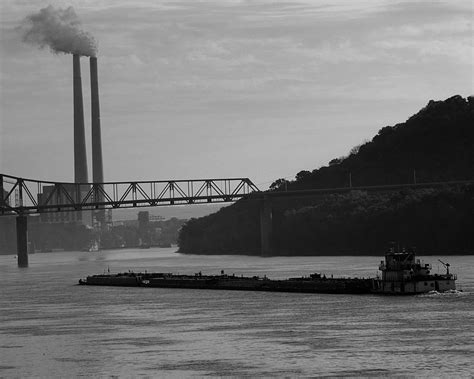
(28,196)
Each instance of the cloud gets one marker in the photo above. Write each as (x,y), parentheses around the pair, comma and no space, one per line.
(449,39)
(195,67)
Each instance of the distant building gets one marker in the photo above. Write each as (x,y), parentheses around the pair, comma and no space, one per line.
(126,223)
(144,227)
(7,235)
(143,220)
(4,198)
(51,197)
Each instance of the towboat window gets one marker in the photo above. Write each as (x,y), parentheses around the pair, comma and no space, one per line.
(432,284)
(426,284)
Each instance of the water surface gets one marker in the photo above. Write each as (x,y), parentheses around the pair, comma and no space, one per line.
(51,327)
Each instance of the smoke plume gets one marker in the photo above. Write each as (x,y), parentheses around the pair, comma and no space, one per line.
(59,29)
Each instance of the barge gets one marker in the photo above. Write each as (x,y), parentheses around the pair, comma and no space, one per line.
(314,283)
(401,274)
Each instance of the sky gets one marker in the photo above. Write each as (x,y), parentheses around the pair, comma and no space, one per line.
(228,88)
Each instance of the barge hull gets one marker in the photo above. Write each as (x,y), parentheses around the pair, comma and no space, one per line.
(334,286)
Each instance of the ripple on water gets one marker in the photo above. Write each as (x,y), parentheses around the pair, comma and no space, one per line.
(130,332)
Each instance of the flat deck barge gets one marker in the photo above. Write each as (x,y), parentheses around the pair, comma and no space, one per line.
(314,283)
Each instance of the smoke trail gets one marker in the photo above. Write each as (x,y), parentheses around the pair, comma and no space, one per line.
(58,29)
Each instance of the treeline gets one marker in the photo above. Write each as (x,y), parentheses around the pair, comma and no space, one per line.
(433,221)
(231,230)
(355,223)
(436,144)
(153,233)
(44,237)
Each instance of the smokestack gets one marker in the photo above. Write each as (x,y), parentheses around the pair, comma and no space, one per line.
(80,157)
(97,168)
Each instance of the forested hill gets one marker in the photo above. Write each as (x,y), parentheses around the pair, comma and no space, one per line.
(436,144)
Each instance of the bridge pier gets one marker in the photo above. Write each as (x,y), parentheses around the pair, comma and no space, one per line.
(266,226)
(22,240)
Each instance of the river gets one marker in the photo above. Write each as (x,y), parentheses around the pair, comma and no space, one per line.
(51,327)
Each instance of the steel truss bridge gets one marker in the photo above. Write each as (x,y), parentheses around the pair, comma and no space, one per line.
(28,196)
(22,197)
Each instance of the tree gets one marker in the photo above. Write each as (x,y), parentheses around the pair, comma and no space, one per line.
(335,161)
(279,183)
(302,175)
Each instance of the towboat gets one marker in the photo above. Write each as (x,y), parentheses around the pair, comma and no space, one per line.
(402,273)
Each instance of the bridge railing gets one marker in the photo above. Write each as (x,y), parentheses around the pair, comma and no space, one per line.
(25,196)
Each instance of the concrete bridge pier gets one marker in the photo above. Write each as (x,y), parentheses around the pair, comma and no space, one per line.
(266,226)
(22,240)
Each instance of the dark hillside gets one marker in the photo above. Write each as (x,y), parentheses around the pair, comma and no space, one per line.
(436,144)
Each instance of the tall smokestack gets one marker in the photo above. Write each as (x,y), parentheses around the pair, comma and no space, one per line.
(97,168)
(80,157)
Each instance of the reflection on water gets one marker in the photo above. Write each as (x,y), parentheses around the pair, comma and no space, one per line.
(50,327)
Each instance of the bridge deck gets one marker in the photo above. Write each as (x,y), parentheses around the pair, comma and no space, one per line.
(28,196)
